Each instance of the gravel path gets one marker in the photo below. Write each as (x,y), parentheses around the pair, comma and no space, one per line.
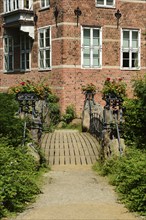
(76,193)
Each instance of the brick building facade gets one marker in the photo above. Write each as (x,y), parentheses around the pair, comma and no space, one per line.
(46,39)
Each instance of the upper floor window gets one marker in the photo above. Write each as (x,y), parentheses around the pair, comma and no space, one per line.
(44,48)
(45,3)
(12,5)
(130,49)
(26,4)
(91,50)
(105,3)
(8,54)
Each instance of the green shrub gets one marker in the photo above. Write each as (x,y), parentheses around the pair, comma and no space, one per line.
(128,174)
(69,114)
(135,116)
(10,126)
(17,172)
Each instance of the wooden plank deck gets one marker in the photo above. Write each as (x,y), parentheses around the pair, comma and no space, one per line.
(70,147)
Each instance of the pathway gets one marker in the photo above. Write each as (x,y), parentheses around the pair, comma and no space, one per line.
(72,190)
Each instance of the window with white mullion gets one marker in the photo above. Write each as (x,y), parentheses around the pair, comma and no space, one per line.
(4,6)
(8,53)
(45,3)
(7,5)
(86,57)
(44,48)
(41,57)
(105,3)
(91,47)
(12,5)
(15,5)
(26,4)
(130,57)
(25,52)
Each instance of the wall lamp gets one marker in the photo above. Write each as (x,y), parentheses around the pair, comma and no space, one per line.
(118,16)
(35,18)
(78,13)
(56,12)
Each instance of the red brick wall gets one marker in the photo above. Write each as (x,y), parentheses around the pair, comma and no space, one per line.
(66,76)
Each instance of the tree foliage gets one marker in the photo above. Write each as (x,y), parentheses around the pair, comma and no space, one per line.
(135,117)
(10,125)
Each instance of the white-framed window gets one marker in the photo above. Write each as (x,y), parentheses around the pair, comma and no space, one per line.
(44,48)
(130,49)
(26,4)
(25,56)
(8,54)
(105,3)
(12,5)
(45,3)
(91,47)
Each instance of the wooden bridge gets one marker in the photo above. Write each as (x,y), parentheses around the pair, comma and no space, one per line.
(70,147)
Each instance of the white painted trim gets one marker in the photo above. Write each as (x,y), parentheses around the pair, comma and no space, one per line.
(110,40)
(111,67)
(66,66)
(66,23)
(134,1)
(66,38)
(110,26)
(79,67)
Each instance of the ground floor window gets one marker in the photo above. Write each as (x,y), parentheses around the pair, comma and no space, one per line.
(91,50)
(45,48)
(25,46)
(8,53)
(17,52)
(130,49)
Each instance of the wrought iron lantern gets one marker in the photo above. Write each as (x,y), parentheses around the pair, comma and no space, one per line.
(35,18)
(78,13)
(56,13)
(118,16)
